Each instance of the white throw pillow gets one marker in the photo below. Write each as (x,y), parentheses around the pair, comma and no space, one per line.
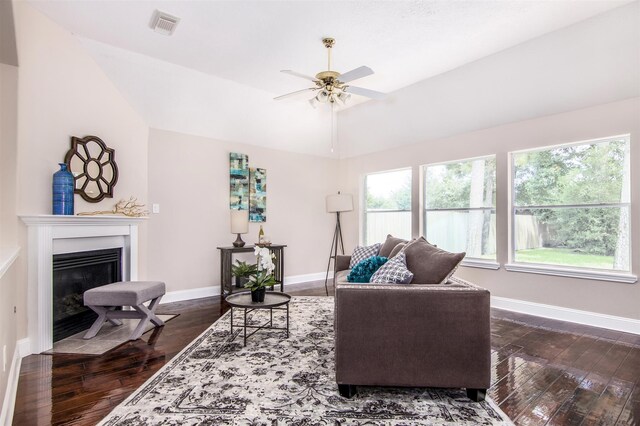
(362,253)
(394,271)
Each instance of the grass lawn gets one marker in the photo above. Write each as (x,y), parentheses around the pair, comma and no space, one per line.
(566,257)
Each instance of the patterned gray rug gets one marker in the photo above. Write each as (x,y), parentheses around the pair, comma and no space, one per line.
(279,381)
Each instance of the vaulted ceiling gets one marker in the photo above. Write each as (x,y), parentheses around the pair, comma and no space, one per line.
(217,75)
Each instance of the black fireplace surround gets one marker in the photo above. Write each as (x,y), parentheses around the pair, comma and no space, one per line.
(73,274)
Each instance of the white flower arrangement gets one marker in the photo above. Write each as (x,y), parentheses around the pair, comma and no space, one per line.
(264,275)
(265,259)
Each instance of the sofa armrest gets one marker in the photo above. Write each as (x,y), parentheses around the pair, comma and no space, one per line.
(413,335)
(342,262)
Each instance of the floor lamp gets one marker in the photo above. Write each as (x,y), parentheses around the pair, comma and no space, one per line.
(337,204)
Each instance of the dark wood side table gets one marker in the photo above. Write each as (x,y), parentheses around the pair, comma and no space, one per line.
(226,260)
(272,301)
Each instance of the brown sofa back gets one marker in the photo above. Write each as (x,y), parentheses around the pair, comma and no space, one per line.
(413,335)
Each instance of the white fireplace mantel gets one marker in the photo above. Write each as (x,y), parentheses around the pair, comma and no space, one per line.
(53,234)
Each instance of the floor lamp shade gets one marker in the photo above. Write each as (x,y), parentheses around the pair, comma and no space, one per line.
(339,203)
(239,221)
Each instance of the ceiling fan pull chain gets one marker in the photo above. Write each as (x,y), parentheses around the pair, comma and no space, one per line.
(332,127)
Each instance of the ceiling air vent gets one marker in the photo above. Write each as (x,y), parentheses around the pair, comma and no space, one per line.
(164,23)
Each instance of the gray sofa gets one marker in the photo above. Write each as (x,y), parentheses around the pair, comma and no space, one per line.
(416,335)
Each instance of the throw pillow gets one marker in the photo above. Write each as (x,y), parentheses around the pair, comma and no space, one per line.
(394,271)
(361,273)
(429,264)
(397,249)
(362,252)
(389,244)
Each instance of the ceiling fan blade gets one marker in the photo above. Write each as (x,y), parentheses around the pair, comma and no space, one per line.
(297,74)
(297,92)
(355,74)
(365,92)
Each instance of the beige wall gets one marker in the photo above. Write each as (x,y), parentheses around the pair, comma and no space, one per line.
(605,120)
(63,93)
(189,178)
(8,221)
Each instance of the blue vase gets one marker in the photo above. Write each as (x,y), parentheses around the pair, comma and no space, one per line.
(63,185)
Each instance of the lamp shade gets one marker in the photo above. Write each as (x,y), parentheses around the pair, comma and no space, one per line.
(339,203)
(239,221)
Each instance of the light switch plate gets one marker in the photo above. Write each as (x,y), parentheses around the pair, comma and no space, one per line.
(155,208)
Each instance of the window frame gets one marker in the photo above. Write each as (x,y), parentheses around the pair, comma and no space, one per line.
(364,211)
(625,276)
(474,262)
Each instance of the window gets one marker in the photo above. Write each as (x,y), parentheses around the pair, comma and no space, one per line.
(571,206)
(460,206)
(387,205)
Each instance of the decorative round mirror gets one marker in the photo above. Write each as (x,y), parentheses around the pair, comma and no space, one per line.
(93,167)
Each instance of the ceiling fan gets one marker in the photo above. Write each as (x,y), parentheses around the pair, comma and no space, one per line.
(331,86)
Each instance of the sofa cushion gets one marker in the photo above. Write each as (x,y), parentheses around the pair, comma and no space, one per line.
(361,273)
(429,264)
(389,244)
(341,276)
(362,252)
(394,271)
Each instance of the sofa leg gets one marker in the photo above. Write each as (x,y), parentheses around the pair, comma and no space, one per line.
(476,395)
(347,391)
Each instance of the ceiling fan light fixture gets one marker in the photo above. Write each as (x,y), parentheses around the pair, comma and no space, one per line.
(323,96)
(343,97)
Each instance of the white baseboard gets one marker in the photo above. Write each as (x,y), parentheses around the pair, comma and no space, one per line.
(6,415)
(628,325)
(24,347)
(201,292)
(194,293)
(299,279)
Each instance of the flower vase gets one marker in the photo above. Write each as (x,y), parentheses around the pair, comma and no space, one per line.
(62,191)
(258,295)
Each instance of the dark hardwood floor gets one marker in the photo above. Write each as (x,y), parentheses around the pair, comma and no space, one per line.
(543,372)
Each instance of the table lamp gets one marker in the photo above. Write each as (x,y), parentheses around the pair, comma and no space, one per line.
(239,225)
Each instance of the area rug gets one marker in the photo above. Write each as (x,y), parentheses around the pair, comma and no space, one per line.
(109,337)
(280,381)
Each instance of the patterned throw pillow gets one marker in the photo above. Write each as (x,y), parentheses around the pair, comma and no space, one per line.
(361,253)
(394,271)
(361,273)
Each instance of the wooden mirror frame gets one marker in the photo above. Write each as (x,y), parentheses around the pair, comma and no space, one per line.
(103,159)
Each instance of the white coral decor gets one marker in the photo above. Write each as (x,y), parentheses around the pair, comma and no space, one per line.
(265,259)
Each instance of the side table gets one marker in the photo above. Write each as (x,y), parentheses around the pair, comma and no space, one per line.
(226,260)
(272,301)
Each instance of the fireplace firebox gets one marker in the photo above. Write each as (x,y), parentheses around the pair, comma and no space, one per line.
(73,274)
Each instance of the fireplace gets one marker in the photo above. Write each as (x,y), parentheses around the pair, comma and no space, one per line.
(51,235)
(73,274)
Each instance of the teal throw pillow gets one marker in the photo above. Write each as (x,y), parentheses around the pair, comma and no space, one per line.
(361,273)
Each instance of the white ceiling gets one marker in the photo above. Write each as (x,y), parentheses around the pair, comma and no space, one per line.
(250,41)
(217,75)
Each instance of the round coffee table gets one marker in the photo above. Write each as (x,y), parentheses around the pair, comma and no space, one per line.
(272,301)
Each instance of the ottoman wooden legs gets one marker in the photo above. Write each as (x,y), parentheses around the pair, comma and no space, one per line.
(108,313)
(105,299)
(147,314)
